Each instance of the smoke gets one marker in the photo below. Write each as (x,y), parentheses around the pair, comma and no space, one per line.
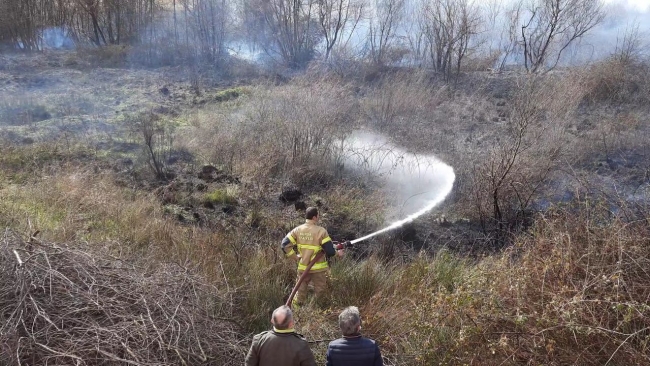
(416,183)
(57,38)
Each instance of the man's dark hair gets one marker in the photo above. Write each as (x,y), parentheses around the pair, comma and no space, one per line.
(311,213)
(288,316)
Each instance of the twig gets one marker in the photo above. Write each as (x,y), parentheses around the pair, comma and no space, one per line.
(20,262)
(625,341)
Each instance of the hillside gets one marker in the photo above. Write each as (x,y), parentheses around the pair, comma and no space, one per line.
(143,209)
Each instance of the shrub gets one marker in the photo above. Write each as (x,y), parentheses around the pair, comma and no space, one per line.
(287,133)
(616,80)
(157,139)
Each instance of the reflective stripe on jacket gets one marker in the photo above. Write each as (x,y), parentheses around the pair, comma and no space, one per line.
(309,239)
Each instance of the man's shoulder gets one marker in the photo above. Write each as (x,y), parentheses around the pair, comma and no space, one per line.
(300,227)
(288,336)
(363,342)
(299,336)
(339,342)
(320,229)
(261,335)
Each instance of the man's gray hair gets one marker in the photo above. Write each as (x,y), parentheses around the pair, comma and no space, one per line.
(350,320)
(288,317)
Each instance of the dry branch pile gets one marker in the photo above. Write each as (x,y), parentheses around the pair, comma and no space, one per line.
(60,305)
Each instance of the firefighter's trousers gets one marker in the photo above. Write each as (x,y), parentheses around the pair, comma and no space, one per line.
(318,279)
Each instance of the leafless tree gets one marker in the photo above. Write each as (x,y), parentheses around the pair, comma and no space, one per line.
(335,17)
(448,26)
(550,26)
(101,22)
(510,33)
(284,28)
(206,24)
(383,24)
(630,47)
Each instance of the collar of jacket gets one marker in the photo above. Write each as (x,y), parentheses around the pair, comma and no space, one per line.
(283,331)
(358,335)
(307,221)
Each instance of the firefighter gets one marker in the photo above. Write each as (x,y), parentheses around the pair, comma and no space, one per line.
(303,244)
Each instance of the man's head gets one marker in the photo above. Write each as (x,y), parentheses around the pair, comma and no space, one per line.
(282,318)
(350,321)
(311,213)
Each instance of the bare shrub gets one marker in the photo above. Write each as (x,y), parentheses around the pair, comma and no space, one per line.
(585,275)
(62,304)
(157,138)
(398,99)
(572,291)
(288,132)
(507,177)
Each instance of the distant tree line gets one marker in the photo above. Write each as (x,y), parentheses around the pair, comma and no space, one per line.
(99,22)
(437,34)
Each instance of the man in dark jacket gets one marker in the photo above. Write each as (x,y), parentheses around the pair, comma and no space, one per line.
(353,349)
(282,346)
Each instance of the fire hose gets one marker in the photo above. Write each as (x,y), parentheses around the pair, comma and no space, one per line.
(317,257)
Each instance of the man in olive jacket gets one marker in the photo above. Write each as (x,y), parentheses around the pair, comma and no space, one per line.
(281,346)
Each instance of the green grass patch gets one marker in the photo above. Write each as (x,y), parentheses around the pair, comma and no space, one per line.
(229,94)
(221,196)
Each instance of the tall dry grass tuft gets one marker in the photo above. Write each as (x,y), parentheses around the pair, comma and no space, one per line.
(617,81)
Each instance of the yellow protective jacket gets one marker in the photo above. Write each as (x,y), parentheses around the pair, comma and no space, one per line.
(308,239)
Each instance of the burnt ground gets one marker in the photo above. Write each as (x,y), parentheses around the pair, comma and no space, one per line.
(55,94)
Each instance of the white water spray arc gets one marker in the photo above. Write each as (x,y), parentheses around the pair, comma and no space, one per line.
(407,175)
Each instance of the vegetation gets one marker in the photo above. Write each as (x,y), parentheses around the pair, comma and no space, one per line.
(441,35)
(142,215)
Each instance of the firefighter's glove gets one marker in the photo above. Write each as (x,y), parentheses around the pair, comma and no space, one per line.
(340,247)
